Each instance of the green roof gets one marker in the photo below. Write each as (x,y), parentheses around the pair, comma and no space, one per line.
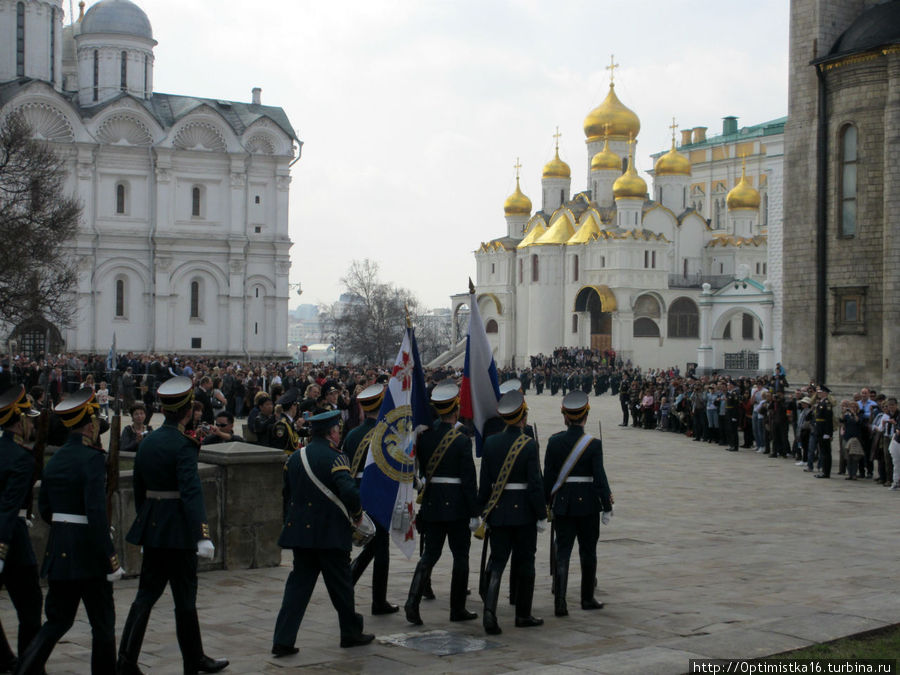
(770,128)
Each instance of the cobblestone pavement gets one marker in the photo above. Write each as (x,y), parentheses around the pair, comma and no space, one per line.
(710,554)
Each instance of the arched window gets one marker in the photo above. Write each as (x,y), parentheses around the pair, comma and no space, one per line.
(120,298)
(96,75)
(490,326)
(684,319)
(534,268)
(644,327)
(20,39)
(647,305)
(123,71)
(53,45)
(196,201)
(146,76)
(726,334)
(574,323)
(847,212)
(120,198)
(195,299)
(765,210)
(747,326)
(521,264)
(575,268)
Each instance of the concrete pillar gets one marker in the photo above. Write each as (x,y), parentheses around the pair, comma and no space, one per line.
(705,354)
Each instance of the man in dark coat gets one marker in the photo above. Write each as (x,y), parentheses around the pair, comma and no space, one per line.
(449,503)
(824,424)
(577,491)
(317,529)
(18,566)
(511,496)
(356,447)
(172,528)
(80,562)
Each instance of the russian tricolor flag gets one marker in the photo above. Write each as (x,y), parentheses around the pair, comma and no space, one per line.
(480,390)
(386,490)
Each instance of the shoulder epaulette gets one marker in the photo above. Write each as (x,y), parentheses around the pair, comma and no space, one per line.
(340,463)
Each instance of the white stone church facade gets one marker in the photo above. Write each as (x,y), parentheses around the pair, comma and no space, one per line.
(653,273)
(183,245)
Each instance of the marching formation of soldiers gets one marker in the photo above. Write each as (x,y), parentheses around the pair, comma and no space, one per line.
(507,507)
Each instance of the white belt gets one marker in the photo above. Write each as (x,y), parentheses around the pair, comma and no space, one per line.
(23,513)
(516,486)
(163,494)
(73,518)
(580,479)
(445,480)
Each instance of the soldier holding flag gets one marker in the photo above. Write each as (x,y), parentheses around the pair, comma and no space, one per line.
(577,491)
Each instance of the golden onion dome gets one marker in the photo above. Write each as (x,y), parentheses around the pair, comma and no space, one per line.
(606,159)
(673,163)
(611,117)
(517,204)
(556,168)
(629,185)
(743,195)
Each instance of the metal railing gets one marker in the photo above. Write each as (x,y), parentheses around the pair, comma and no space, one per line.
(696,280)
(743,360)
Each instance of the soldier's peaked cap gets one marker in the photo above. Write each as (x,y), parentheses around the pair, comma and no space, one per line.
(324,421)
(175,393)
(289,397)
(512,407)
(371,397)
(14,402)
(510,385)
(445,397)
(575,405)
(77,408)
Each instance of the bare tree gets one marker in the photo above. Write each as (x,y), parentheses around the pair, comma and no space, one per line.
(369,322)
(36,221)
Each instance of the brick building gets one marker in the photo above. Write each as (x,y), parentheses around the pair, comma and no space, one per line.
(842,167)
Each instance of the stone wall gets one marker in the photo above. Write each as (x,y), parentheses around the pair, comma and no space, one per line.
(242,492)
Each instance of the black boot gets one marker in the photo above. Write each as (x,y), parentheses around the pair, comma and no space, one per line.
(523,603)
(187,630)
(560,582)
(7,658)
(459,582)
(415,594)
(34,658)
(427,591)
(588,584)
(491,595)
(513,585)
(132,639)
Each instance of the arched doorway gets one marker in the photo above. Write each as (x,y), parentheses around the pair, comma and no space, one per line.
(36,337)
(598,302)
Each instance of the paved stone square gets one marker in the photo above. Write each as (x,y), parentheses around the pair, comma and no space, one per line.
(709,554)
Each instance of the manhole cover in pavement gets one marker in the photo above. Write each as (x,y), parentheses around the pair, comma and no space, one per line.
(438,642)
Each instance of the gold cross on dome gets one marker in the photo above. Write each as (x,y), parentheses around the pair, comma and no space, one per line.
(673,127)
(557,136)
(517,166)
(612,67)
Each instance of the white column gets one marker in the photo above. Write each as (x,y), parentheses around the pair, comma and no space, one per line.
(705,355)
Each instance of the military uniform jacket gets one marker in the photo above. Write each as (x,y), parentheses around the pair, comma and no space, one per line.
(444,502)
(732,401)
(74,483)
(16,474)
(283,435)
(576,498)
(824,417)
(166,461)
(312,520)
(515,507)
(352,441)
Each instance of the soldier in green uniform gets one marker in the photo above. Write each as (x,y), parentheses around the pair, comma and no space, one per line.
(320,500)
(577,491)
(449,503)
(356,447)
(283,435)
(80,562)
(511,495)
(171,527)
(18,566)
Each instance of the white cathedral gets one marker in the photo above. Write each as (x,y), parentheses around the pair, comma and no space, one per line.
(644,273)
(183,244)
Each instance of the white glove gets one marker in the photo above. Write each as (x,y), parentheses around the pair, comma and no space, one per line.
(205,549)
(2,565)
(541,526)
(826,438)
(606,516)
(29,522)
(115,575)
(474,523)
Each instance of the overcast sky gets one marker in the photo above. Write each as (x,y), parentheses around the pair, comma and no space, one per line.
(412,113)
